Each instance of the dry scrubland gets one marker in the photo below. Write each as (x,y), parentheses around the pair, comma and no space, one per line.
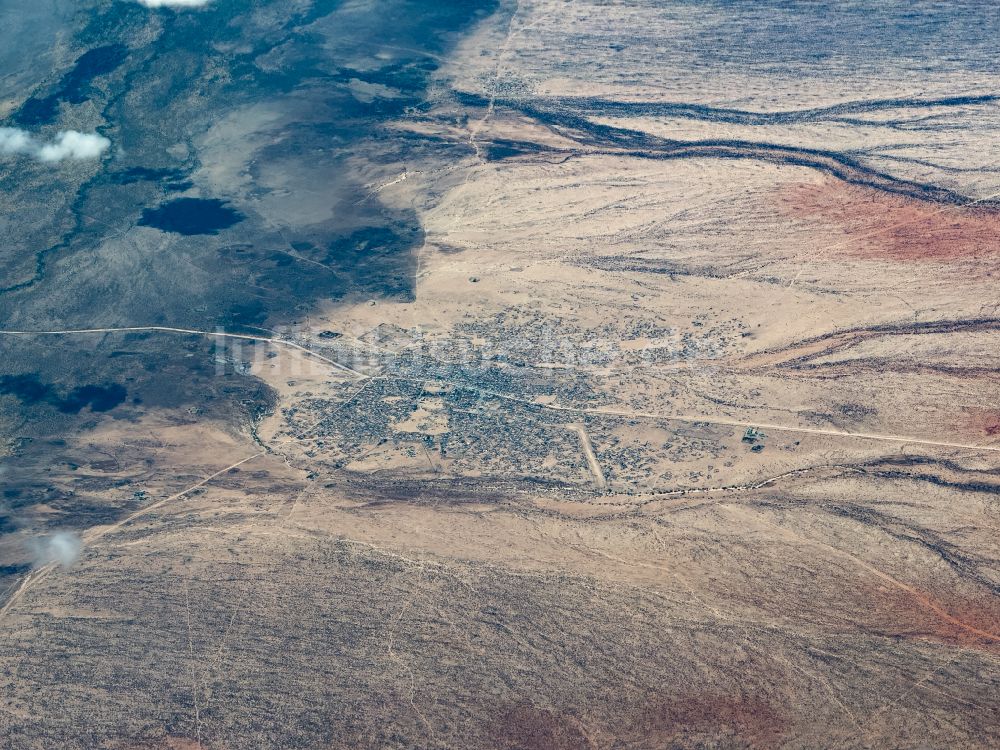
(532,517)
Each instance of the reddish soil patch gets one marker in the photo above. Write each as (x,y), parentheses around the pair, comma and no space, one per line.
(526,727)
(984,423)
(167,743)
(877,225)
(696,720)
(746,721)
(953,617)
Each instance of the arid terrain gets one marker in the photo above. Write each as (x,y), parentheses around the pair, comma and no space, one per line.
(523,376)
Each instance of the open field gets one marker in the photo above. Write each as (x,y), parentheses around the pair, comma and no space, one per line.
(630,382)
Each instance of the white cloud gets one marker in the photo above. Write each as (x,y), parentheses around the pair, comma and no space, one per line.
(71,144)
(68,144)
(62,548)
(14,141)
(174,3)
